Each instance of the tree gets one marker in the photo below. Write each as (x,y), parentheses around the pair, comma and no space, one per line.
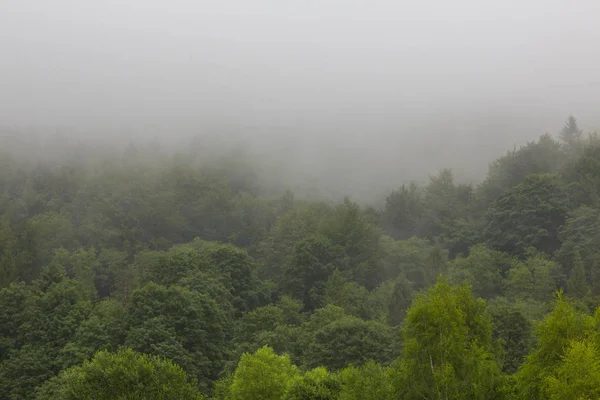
(274,325)
(402,216)
(441,202)
(570,134)
(181,325)
(353,298)
(316,384)
(402,296)
(43,234)
(578,375)
(370,381)
(104,329)
(10,259)
(252,217)
(513,332)
(263,375)
(447,347)
(297,224)
(535,278)
(580,237)
(417,259)
(555,334)
(224,264)
(333,339)
(238,271)
(577,285)
(80,265)
(51,315)
(462,234)
(306,274)
(483,268)
(116,277)
(169,268)
(205,201)
(13,303)
(122,375)
(528,215)
(356,234)
(222,388)
(540,157)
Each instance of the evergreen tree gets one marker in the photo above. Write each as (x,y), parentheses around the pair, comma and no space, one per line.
(570,134)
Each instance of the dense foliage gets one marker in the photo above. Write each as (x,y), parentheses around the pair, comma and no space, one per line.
(156,275)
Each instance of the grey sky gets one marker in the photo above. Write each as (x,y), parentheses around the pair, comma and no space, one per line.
(361,69)
(64,61)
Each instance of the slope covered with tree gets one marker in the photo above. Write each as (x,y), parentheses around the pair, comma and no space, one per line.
(144,274)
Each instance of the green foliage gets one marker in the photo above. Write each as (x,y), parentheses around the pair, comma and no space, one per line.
(196,258)
(353,298)
(116,277)
(342,340)
(528,215)
(47,321)
(104,329)
(462,234)
(512,330)
(580,238)
(442,202)
(403,214)
(210,267)
(582,175)
(483,268)
(45,233)
(371,381)
(351,230)
(80,265)
(237,271)
(13,303)
(181,325)
(417,259)
(400,300)
(541,157)
(316,384)
(578,375)
(26,368)
(10,259)
(447,347)
(222,388)
(306,274)
(290,228)
(535,278)
(262,376)
(577,285)
(253,216)
(275,325)
(170,267)
(555,335)
(121,375)
(571,135)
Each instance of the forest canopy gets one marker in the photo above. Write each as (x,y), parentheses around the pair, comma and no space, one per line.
(140,273)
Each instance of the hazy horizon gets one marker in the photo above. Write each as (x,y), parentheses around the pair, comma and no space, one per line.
(383,87)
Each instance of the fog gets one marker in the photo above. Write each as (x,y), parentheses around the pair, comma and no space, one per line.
(373,93)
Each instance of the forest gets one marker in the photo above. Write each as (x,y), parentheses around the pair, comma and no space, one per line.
(138,273)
